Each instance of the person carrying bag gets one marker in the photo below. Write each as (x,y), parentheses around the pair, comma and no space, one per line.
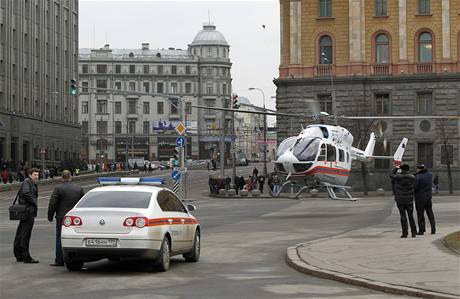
(18,211)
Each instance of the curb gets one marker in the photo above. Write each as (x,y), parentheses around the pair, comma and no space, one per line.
(294,260)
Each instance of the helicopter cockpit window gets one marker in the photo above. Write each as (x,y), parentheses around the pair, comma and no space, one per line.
(322,153)
(341,155)
(331,154)
(306,149)
(285,145)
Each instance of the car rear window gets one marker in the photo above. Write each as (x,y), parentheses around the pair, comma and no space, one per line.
(116,199)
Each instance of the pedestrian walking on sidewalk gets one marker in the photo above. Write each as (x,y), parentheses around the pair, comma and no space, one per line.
(403,183)
(423,203)
(63,199)
(436,184)
(28,196)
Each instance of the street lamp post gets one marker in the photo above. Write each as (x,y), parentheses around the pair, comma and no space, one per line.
(265,130)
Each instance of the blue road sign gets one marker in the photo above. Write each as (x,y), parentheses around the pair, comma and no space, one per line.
(175,175)
(180,141)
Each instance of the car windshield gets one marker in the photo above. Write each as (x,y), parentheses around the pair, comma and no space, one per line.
(116,199)
(285,145)
(306,149)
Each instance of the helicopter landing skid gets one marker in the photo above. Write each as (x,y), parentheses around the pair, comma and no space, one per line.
(343,189)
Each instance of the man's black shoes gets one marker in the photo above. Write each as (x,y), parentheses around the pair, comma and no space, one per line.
(19,260)
(57,265)
(420,233)
(30,261)
(404,236)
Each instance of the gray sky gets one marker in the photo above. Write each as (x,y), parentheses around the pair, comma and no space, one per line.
(254,51)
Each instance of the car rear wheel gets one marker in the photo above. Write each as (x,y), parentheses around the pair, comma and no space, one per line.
(74,265)
(164,259)
(194,255)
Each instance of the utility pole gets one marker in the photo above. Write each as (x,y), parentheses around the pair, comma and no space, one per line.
(222,146)
(265,130)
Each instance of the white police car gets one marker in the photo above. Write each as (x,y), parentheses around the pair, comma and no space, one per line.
(130,218)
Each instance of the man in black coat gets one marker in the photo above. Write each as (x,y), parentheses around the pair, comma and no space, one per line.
(423,191)
(403,189)
(28,196)
(63,199)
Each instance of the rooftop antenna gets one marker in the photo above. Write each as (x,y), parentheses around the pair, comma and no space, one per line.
(94,36)
(106,37)
(209,16)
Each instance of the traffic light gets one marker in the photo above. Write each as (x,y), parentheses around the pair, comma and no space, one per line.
(101,154)
(73,87)
(177,153)
(235,102)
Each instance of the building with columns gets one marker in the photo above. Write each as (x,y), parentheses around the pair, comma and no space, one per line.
(379,57)
(124,123)
(38,58)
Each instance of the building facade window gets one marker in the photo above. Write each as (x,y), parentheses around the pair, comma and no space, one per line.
(84,128)
(101,83)
(101,106)
(131,127)
(117,107)
(118,69)
(209,88)
(84,69)
(382,104)
(380,8)
(160,87)
(146,86)
(160,108)
(160,70)
(132,107)
(132,86)
(325,103)
(132,69)
(425,154)
(174,69)
(174,88)
(188,108)
(84,86)
(224,89)
(174,103)
(118,85)
(101,68)
(382,49)
(382,150)
(425,47)
(117,127)
(146,107)
(325,50)
(146,69)
(423,7)
(101,126)
(146,127)
(188,88)
(187,70)
(209,71)
(447,155)
(425,103)
(84,107)
(325,8)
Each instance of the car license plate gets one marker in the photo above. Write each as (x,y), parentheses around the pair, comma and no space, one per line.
(101,242)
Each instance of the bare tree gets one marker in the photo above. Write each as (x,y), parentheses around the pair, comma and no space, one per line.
(445,132)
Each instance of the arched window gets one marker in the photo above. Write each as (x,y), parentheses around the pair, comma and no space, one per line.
(325,50)
(382,49)
(101,144)
(425,47)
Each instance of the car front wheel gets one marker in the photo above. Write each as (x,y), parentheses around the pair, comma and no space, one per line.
(194,255)
(164,258)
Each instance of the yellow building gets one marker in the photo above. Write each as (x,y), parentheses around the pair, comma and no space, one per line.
(376,57)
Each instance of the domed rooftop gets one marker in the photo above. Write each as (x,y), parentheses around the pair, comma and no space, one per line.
(209,36)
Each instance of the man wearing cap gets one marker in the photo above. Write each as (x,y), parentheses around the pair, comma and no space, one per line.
(423,190)
(403,189)
(63,199)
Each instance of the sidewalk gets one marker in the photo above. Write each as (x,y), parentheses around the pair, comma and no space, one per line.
(56,179)
(376,257)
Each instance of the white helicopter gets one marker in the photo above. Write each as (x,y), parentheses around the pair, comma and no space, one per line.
(321,156)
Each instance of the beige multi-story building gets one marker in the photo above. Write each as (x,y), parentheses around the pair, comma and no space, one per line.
(38,59)
(136,117)
(376,57)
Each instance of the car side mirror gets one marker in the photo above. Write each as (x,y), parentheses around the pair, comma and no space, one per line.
(191,207)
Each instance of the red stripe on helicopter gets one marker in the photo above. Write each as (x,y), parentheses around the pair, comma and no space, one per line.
(326,170)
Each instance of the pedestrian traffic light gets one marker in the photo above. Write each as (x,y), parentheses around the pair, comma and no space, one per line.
(101,154)
(73,87)
(235,101)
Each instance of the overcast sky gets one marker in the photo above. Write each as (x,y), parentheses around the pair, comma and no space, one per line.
(254,50)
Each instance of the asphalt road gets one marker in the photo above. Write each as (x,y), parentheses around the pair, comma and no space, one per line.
(244,244)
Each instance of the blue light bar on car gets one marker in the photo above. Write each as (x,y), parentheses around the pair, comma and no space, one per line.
(130,181)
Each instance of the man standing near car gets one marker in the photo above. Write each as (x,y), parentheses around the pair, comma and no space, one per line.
(63,199)
(28,196)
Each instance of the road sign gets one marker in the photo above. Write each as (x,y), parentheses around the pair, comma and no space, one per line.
(180,128)
(175,175)
(180,141)
(175,187)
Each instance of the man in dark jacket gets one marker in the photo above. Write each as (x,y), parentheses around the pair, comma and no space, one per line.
(63,199)
(423,190)
(28,196)
(404,196)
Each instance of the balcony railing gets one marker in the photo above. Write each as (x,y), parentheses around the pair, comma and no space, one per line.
(381,69)
(323,70)
(425,67)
